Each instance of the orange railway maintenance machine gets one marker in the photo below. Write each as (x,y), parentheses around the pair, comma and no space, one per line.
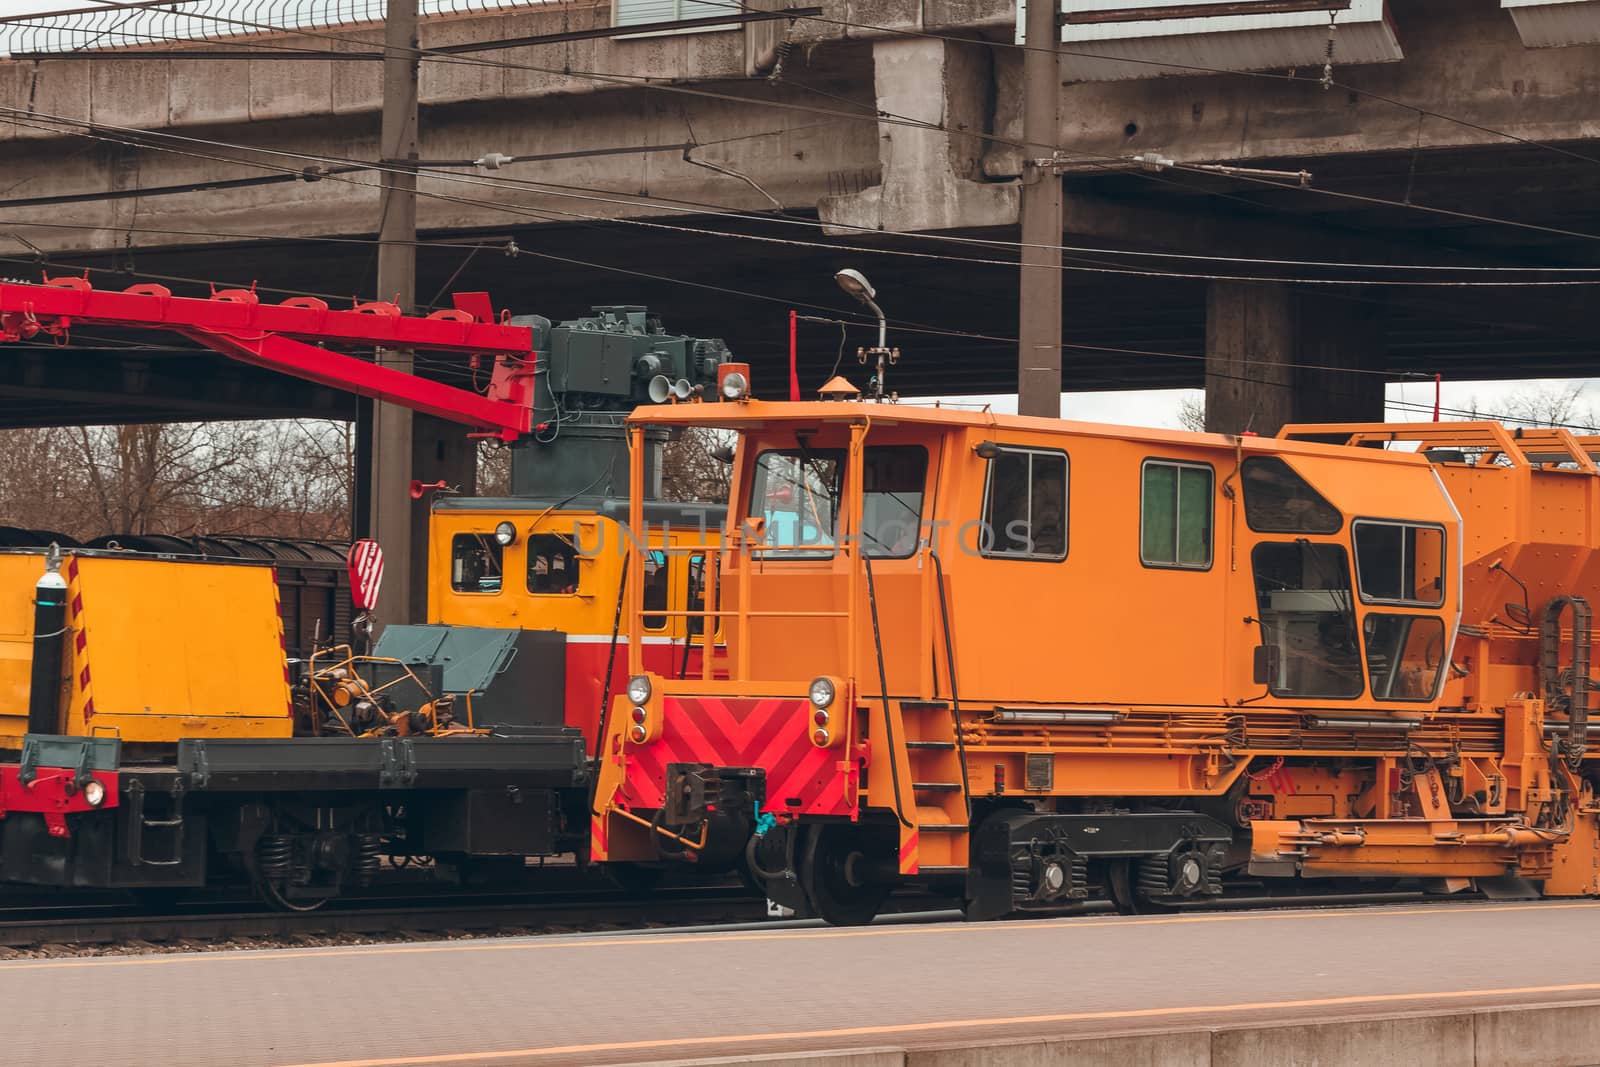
(466,738)
(1035,662)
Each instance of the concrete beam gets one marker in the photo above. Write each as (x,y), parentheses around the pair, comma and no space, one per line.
(931,180)
(793,157)
(1462,58)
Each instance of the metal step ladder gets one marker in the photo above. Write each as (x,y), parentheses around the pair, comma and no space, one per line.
(140,825)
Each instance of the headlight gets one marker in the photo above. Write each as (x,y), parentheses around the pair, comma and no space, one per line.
(505,533)
(822,692)
(639,689)
(638,734)
(639,715)
(735,385)
(94,791)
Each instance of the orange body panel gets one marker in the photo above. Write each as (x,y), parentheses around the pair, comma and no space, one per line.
(1321,647)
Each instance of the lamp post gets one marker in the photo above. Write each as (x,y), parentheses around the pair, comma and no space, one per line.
(855,283)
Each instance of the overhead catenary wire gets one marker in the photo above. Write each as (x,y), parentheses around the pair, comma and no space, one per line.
(543,213)
(901,325)
(434,363)
(1390,266)
(1104,251)
(878,116)
(440,56)
(911,327)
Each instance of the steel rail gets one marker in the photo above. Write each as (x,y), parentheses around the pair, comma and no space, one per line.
(185,926)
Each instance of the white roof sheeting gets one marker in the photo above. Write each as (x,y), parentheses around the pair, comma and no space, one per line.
(1554,23)
(1225,42)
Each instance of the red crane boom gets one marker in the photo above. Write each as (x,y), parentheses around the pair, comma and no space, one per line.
(288,337)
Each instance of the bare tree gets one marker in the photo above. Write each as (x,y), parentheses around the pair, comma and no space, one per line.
(494,469)
(1192,414)
(287,479)
(694,465)
(1540,405)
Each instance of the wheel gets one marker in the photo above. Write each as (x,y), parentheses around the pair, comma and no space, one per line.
(1122,885)
(836,876)
(1119,886)
(280,902)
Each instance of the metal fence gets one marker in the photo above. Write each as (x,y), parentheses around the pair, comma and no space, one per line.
(131,25)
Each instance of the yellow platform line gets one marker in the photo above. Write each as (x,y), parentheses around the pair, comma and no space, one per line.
(893,1029)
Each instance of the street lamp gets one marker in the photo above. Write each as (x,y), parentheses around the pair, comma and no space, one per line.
(855,283)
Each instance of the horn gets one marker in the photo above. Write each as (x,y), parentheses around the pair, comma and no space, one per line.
(419,487)
(660,389)
(682,389)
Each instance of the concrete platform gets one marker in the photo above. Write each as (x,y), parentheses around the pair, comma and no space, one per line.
(1436,984)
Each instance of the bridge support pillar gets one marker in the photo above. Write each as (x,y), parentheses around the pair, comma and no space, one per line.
(931,180)
(1275,354)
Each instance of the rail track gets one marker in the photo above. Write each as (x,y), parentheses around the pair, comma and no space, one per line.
(31,926)
(97,929)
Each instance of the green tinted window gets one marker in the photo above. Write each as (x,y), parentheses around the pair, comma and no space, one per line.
(1175,517)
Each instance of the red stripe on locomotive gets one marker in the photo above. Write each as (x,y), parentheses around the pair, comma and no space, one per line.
(770,733)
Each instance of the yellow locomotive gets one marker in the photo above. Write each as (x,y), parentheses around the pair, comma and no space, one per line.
(158,734)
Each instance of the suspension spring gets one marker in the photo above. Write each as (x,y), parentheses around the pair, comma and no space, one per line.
(1154,879)
(368,851)
(274,856)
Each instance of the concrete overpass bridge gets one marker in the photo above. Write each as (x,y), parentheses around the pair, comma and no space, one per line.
(889,136)
(720,175)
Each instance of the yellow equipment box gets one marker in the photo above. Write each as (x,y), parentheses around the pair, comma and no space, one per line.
(154,649)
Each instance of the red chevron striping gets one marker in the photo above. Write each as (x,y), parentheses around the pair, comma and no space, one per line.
(908,853)
(772,734)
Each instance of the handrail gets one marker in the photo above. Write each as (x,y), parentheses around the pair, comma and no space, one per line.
(950,666)
(883,694)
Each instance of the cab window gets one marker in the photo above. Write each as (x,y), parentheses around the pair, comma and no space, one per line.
(891,500)
(1175,515)
(1278,500)
(1025,505)
(797,495)
(475,560)
(552,565)
(1399,563)
(1405,655)
(1306,612)
(656,578)
(696,599)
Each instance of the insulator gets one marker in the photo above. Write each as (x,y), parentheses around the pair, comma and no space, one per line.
(274,856)
(369,849)
(780,56)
